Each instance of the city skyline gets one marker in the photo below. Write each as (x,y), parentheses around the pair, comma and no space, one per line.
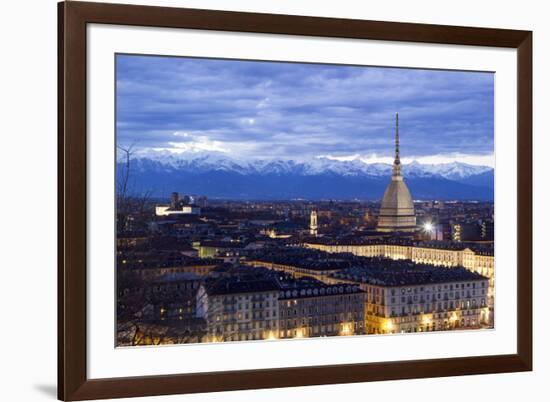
(251,110)
(274,229)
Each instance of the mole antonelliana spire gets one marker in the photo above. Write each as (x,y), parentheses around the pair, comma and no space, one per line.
(397,208)
(397,161)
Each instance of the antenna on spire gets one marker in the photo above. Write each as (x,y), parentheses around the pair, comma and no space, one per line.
(397,161)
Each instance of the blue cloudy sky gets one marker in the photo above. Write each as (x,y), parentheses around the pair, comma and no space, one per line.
(249,109)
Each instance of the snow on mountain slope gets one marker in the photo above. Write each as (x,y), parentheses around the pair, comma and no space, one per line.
(219,176)
(219,162)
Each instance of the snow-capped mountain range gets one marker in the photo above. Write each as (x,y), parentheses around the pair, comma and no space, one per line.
(217,175)
(320,165)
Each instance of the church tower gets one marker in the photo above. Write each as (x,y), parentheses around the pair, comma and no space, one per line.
(313,223)
(397,208)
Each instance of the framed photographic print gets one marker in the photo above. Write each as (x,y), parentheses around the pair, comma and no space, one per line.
(253,200)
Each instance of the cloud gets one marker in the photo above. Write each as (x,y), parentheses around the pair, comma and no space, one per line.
(199,144)
(290,110)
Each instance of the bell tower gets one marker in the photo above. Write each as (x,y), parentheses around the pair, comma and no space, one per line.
(313,223)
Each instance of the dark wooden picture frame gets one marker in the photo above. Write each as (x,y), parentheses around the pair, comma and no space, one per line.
(73,17)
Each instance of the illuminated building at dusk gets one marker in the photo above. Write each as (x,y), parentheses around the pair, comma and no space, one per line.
(397,208)
(425,298)
(478,259)
(239,310)
(313,223)
(321,310)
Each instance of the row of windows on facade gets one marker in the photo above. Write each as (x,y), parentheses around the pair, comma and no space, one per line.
(322,310)
(416,254)
(191,285)
(273,303)
(376,309)
(319,320)
(315,329)
(473,285)
(341,318)
(246,326)
(418,309)
(290,333)
(256,297)
(335,299)
(435,326)
(316,291)
(254,305)
(371,309)
(246,316)
(468,314)
(434,297)
(167,311)
(257,332)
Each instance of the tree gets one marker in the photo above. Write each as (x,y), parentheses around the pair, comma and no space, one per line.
(127,201)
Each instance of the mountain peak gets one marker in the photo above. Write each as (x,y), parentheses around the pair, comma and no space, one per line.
(219,175)
(218,161)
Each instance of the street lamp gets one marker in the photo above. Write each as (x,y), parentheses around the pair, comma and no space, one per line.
(428,227)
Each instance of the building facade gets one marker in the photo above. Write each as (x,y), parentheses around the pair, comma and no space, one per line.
(238,311)
(423,308)
(324,310)
(178,206)
(399,295)
(313,227)
(401,300)
(397,208)
(432,253)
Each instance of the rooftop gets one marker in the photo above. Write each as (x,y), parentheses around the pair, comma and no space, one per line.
(374,270)
(160,259)
(405,272)
(178,277)
(304,258)
(315,290)
(482,249)
(231,285)
(221,244)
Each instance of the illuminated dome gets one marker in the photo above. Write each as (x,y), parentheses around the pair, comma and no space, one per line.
(397,208)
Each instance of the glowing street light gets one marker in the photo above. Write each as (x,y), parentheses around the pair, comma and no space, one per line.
(428,227)
(346,329)
(388,326)
(426,320)
(453,318)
